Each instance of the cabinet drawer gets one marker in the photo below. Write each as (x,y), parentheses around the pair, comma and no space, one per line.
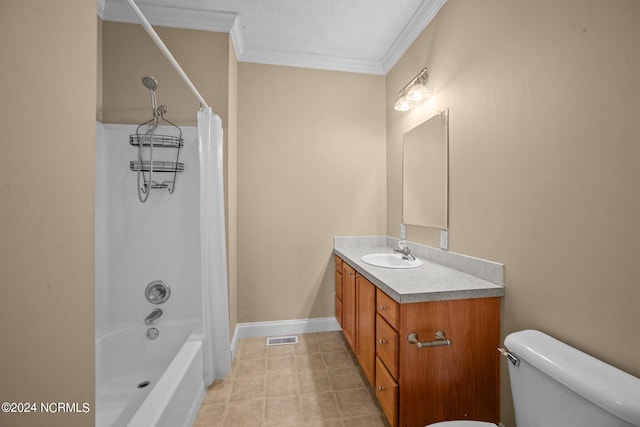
(387,393)
(338,263)
(388,308)
(339,310)
(387,345)
(339,284)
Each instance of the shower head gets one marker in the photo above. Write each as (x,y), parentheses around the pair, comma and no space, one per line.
(150,83)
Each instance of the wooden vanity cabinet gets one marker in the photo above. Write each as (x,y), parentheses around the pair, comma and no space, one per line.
(387,345)
(387,356)
(454,382)
(339,290)
(366,326)
(386,388)
(420,386)
(357,307)
(349,304)
(388,308)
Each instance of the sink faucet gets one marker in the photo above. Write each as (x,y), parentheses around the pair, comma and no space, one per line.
(404,250)
(153,317)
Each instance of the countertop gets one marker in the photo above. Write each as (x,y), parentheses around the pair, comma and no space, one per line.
(429,282)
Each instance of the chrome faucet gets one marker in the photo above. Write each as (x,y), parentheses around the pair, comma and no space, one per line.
(404,250)
(153,317)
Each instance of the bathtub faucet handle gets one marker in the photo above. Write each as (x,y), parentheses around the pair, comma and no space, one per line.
(153,317)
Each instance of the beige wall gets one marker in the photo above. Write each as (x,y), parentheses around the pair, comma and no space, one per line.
(311,152)
(47,101)
(129,54)
(544,149)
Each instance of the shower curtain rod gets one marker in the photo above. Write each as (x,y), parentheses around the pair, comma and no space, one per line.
(163,48)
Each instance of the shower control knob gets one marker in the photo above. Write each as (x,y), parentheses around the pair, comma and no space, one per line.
(152,333)
(157,292)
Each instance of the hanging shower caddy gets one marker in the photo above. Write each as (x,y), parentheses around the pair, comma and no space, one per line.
(144,140)
(147,139)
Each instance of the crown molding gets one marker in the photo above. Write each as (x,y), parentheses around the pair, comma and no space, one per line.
(237,40)
(100,4)
(118,11)
(228,22)
(306,60)
(416,25)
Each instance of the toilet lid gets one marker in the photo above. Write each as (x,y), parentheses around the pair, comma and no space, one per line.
(462,424)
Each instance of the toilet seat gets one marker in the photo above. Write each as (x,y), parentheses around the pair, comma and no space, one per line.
(462,424)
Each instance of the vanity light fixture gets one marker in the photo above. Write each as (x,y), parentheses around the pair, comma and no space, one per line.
(413,92)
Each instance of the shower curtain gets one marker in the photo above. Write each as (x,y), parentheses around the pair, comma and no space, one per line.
(217,351)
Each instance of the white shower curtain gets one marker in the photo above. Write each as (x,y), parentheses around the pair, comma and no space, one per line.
(215,309)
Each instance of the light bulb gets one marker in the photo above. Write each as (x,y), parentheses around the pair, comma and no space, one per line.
(404,104)
(418,93)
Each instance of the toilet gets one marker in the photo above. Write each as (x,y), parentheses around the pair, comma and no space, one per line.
(556,385)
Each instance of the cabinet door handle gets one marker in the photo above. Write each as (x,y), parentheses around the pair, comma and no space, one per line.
(380,388)
(382,340)
(383,307)
(440,340)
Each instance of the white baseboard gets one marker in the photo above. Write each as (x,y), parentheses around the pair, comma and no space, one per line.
(282,327)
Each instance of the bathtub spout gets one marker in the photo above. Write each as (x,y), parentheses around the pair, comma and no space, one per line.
(153,317)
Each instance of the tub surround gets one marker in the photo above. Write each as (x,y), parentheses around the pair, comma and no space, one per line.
(443,275)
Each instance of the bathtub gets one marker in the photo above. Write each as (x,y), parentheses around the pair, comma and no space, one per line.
(148,383)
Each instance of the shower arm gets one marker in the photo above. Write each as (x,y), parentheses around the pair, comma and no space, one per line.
(163,48)
(154,106)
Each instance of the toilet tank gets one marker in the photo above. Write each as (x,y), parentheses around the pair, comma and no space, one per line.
(555,385)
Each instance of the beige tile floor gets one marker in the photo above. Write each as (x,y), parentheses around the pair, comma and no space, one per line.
(315,383)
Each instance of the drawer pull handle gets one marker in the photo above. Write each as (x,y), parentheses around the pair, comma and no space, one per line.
(382,341)
(383,307)
(440,340)
(380,388)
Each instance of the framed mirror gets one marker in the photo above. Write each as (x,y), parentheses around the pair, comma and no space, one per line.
(425,173)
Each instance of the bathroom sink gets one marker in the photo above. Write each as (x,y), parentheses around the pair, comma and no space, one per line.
(390,261)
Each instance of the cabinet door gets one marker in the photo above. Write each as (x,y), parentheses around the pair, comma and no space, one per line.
(454,382)
(349,304)
(339,311)
(339,284)
(366,326)
(339,292)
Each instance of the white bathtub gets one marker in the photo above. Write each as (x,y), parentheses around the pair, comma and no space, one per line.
(173,366)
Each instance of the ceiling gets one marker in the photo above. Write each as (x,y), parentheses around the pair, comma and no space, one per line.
(363,36)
